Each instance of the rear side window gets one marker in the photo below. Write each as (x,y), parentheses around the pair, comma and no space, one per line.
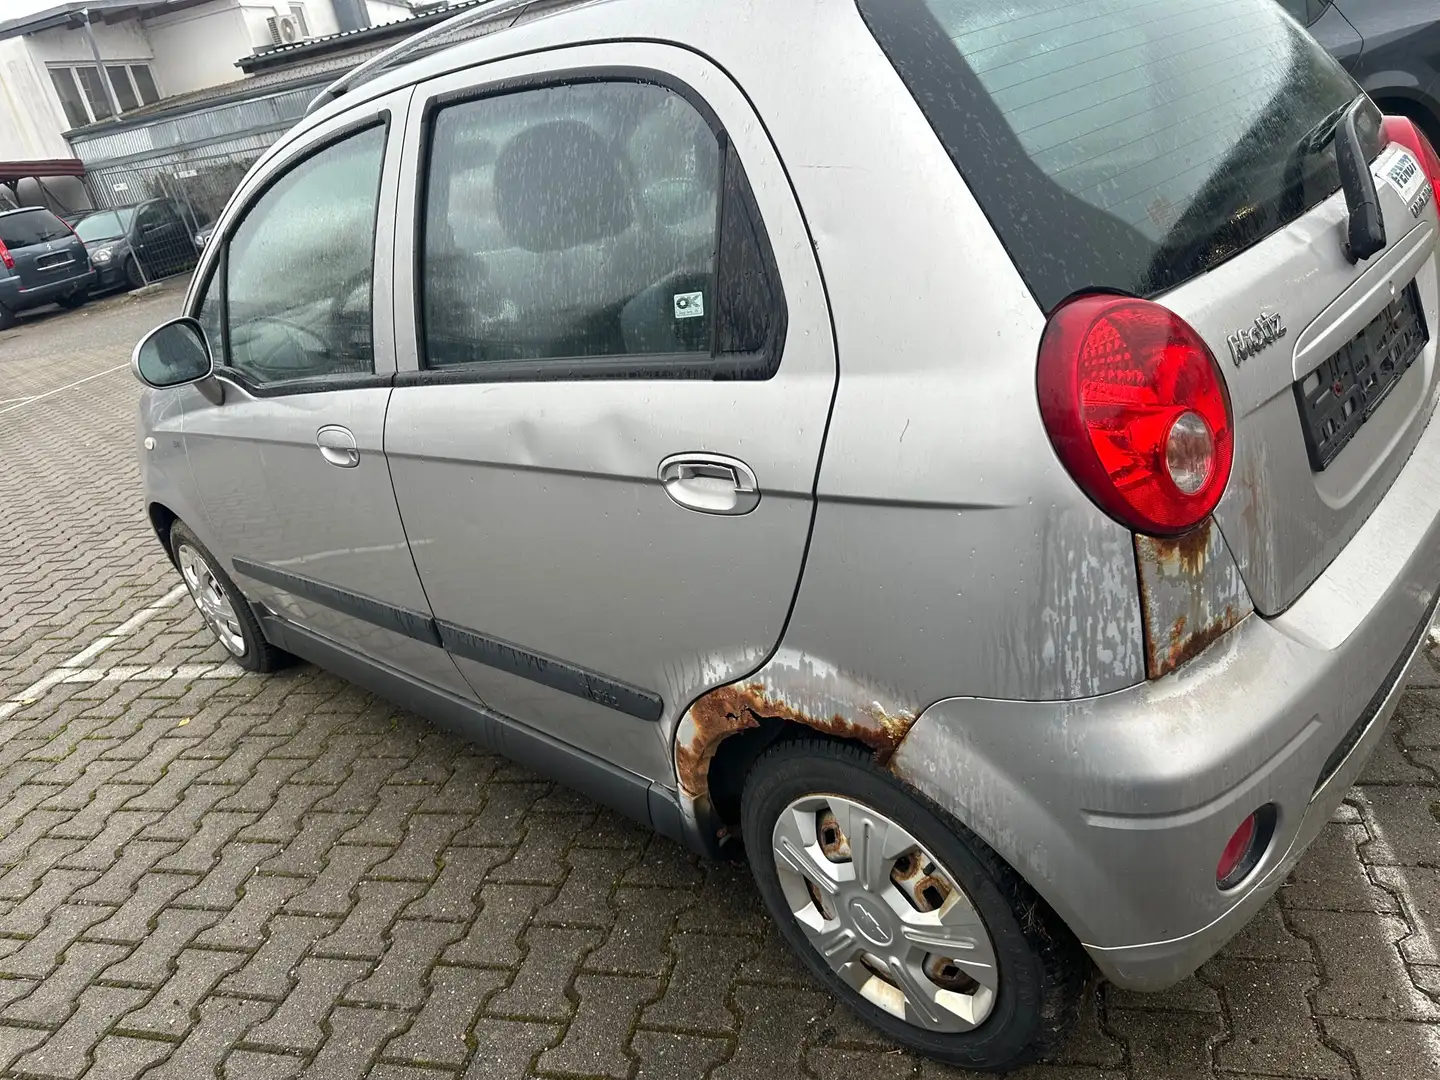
(583,222)
(31,227)
(1123,144)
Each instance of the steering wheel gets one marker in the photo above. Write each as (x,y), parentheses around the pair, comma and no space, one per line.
(281,348)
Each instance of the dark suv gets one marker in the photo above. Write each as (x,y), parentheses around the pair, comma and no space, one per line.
(42,261)
(130,245)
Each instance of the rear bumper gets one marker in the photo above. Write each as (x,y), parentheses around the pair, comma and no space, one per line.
(17,299)
(1116,808)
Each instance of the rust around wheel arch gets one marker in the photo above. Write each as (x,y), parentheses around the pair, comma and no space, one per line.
(727,710)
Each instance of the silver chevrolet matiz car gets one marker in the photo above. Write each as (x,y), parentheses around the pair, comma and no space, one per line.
(974,459)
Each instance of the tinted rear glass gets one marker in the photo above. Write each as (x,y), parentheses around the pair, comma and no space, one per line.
(1124,144)
(30,227)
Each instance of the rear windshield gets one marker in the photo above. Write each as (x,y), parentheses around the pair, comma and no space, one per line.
(1124,144)
(30,227)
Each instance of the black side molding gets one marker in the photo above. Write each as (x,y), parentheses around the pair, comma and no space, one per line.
(411,624)
(634,796)
(548,671)
(492,652)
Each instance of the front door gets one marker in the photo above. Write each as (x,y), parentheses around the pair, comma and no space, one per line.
(291,466)
(609,411)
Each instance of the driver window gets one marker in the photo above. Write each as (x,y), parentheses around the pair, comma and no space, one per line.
(567,222)
(300,264)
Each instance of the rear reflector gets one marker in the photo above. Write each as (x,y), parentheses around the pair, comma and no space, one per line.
(1243,851)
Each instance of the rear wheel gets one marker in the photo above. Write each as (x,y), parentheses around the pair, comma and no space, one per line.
(221,606)
(74,300)
(7,318)
(133,277)
(904,913)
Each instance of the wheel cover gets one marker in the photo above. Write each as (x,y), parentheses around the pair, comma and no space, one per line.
(210,599)
(887,917)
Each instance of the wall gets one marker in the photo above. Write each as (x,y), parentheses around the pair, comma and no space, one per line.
(385,11)
(198,47)
(118,41)
(60,193)
(31,120)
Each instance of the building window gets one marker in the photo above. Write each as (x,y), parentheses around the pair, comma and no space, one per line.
(124,92)
(82,90)
(94,88)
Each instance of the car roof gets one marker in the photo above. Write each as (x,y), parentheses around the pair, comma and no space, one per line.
(547,24)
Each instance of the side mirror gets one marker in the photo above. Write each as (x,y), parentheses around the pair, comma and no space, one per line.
(172,354)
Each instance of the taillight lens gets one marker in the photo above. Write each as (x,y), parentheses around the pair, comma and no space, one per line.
(1137,411)
(6,257)
(1398,129)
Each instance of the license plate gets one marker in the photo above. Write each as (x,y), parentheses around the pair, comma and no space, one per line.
(1338,397)
(54,261)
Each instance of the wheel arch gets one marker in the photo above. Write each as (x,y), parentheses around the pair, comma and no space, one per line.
(724,730)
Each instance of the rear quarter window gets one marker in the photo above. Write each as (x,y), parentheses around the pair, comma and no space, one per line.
(31,227)
(1123,144)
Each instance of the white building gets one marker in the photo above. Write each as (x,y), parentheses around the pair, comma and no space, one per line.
(148,50)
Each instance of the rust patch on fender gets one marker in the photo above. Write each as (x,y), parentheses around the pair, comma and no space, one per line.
(727,710)
(1190,595)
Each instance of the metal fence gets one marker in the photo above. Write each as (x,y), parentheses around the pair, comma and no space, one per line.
(176,199)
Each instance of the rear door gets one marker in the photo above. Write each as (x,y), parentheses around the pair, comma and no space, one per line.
(612,391)
(44,250)
(1182,151)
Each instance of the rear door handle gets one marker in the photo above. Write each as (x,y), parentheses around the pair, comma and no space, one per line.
(710,483)
(337,446)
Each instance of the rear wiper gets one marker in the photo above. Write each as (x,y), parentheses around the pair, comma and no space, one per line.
(1367,227)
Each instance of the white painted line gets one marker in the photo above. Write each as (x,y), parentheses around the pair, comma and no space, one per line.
(62,389)
(66,668)
(157,673)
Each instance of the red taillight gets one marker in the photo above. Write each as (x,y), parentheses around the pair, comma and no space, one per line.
(6,257)
(1399,129)
(1136,409)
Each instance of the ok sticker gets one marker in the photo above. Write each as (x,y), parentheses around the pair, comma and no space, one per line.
(690,305)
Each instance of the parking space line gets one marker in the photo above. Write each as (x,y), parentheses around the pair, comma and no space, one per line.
(64,671)
(22,402)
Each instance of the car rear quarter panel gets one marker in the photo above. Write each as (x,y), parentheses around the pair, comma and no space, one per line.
(951,551)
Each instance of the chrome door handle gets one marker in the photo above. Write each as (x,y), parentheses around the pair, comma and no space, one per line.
(337,446)
(710,483)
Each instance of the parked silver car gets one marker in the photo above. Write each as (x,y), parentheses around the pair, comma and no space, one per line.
(979,459)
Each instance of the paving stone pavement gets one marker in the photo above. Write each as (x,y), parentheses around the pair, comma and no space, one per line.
(204,873)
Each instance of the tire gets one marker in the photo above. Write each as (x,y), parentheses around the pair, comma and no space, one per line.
(134,279)
(74,300)
(232,622)
(7,318)
(1023,1005)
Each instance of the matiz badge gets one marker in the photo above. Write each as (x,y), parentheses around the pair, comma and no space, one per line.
(1246,342)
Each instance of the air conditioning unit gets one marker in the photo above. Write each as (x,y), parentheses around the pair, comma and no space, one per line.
(285,29)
